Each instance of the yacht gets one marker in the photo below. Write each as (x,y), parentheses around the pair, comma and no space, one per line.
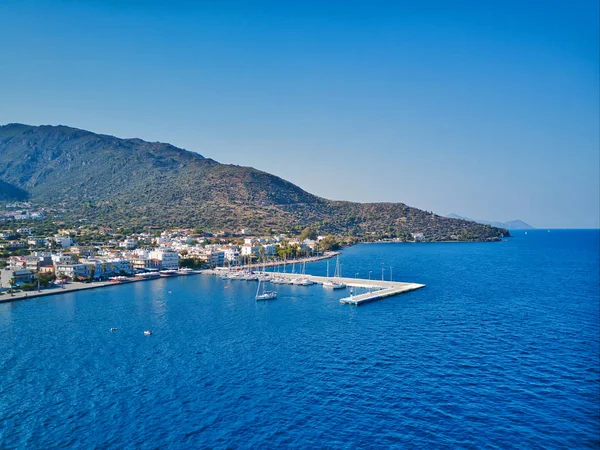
(330,284)
(302,282)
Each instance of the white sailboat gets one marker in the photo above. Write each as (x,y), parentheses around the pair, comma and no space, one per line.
(333,283)
(264,295)
(303,280)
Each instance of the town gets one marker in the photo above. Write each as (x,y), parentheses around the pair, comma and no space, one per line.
(85,254)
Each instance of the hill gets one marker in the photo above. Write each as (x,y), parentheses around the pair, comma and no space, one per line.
(134,183)
(8,192)
(510,225)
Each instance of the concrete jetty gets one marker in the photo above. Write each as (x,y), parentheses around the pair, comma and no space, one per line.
(393,289)
(377,289)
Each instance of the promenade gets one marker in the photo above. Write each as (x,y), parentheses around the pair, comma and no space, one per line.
(76,286)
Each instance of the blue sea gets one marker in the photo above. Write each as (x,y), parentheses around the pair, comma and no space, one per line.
(500,350)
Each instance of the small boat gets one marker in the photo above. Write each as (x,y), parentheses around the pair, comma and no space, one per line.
(168,272)
(330,284)
(113,329)
(147,332)
(302,282)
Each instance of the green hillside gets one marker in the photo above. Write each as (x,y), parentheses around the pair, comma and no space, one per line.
(131,182)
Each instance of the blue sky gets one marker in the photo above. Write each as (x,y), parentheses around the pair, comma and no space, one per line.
(489,109)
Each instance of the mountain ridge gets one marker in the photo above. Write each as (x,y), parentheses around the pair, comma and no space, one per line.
(133,182)
(516,224)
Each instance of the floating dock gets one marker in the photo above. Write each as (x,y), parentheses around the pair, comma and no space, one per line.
(377,289)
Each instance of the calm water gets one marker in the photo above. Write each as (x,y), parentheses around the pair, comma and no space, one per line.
(500,350)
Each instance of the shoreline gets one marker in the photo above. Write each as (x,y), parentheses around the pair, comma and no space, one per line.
(431,242)
(79,286)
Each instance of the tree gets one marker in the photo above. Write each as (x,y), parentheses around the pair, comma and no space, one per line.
(44,279)
(329,243)
(308,233)
(12,283)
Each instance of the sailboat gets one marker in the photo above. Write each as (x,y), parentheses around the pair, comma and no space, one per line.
(264,295)
(303,280)
(333,283)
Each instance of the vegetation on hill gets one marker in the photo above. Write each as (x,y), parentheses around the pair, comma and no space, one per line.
(133,183)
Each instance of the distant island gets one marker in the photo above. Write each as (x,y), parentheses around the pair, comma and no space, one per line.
(82,177)
(510,225)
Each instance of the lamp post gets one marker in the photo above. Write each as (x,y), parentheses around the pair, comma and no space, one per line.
(370,274)
(382,269)
(391,273)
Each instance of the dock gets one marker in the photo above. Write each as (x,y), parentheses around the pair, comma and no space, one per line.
(377,289)
(393,289)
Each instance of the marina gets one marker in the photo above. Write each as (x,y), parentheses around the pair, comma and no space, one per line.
(374,289)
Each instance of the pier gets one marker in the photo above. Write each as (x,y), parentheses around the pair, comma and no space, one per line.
(377,289)
(393,289)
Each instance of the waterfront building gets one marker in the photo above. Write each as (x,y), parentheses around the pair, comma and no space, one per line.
(72,270)
(143,263)
(166,258)
(213,258)
(20,276)
(232,255)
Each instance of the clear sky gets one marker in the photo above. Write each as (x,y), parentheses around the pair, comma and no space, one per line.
(489,109)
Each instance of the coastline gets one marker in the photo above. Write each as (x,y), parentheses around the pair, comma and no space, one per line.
(79,286)
(434,242)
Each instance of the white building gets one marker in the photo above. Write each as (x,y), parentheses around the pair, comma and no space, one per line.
(61,259)
(72,270)
(214,258)
(248,250)
(167,258)
(104,268)
(232,255)
(63,241)
(269,249)
(128,244)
